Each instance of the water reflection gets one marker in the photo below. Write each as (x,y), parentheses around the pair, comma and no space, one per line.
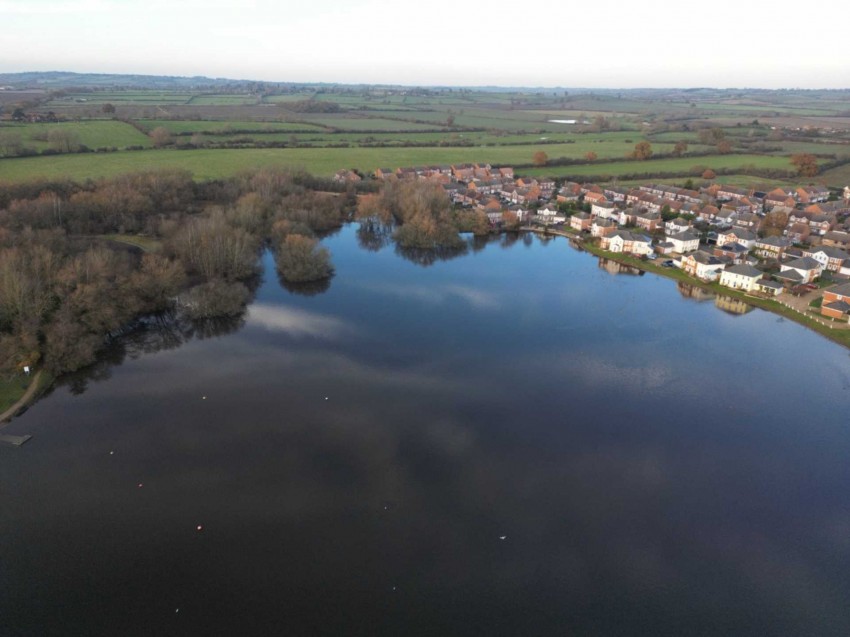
(156,333)
(731,305)
(694,292)
(306,288)
(614,267)
(430,256)
(374,235)
(373,446)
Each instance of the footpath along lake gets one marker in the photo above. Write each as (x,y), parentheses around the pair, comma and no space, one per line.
(522,440)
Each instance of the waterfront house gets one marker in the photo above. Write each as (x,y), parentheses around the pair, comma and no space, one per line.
(702,265)
(627,243)
(836,302)
(769,287)
(601,227)
(581,221)
(741,277)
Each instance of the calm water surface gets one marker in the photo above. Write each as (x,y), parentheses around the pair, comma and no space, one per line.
(517,441)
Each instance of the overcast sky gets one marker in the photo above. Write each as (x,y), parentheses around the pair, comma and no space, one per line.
(602,43)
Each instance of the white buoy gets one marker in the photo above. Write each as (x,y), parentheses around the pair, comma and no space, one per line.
(503,537)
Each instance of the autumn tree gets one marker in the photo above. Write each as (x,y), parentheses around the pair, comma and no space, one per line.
(300,259)
(591,156)
(724,147)
(160,136)
(806,164)
(774,223)
(709,174)
(540,158)
(643,150)
(680,148)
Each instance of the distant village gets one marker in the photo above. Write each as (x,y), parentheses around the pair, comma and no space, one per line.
(787,240)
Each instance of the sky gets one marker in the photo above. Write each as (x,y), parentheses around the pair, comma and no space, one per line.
(599,44)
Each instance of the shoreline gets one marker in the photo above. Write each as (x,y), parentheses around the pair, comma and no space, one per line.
(838,335)
(33,391)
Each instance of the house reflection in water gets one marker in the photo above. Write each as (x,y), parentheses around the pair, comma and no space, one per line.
(731,305)
(614,267)
(694,292)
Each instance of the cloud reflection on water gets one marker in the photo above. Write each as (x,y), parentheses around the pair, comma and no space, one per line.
(296,322)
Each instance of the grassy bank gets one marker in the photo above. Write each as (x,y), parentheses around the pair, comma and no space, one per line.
(14,388)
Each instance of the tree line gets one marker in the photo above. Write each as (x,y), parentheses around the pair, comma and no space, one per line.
(67,288)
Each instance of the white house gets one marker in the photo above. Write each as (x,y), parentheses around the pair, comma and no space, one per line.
(684,242)
(702,265)
(741,277)
(604,210)
(737,235)
(627,242)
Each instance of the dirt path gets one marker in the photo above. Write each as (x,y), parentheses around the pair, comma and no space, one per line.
(7,415)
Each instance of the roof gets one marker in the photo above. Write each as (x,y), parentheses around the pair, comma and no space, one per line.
(776,242)
(804,263)
(842,290)
(790,275)
(745,270)
(683,236)
(838,306)
(767,283)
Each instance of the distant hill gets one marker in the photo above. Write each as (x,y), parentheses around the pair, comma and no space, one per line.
(62,79)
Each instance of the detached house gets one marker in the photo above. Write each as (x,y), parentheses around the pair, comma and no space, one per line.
(737,235)
(627,243)
(836,302)
(803,270)
(741,277)
(702,265)
(580,221)
(683,242)
(601,227)
(832,259)
(771,247)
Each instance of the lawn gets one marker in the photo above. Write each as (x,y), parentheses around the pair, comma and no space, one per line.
(11,389)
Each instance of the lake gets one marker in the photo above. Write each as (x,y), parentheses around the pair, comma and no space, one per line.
(520,440)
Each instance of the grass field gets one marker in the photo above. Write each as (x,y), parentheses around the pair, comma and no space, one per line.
(209,164)
(682,165)
(92,133)
(226,126)
(837,177)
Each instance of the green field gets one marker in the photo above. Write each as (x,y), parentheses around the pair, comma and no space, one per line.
(209,164)
(224,126)
(91,133)
(682,165)
(837,177)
